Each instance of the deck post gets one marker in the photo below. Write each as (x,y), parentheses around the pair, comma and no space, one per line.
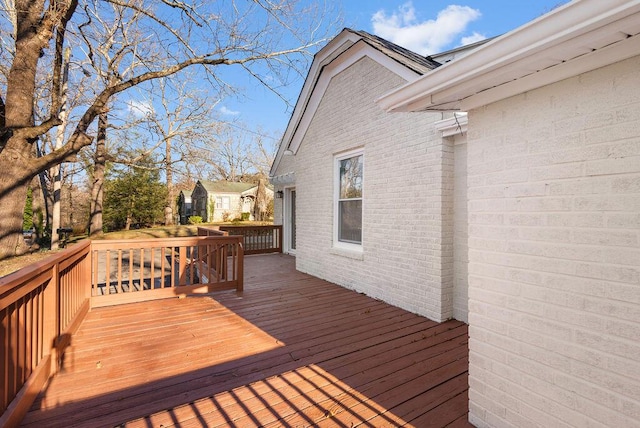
(51,321)
(240,273)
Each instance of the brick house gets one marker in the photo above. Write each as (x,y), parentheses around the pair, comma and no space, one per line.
(523,212)
(217,201)
(553,191)
(388,230)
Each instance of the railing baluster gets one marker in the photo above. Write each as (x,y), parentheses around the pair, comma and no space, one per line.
(141,267)
(107,270)
(119,288)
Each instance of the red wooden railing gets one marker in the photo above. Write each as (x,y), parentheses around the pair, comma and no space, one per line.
(42,306)
(256,239)
(133,271)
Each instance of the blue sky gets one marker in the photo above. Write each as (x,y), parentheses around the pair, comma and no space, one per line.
(425,26)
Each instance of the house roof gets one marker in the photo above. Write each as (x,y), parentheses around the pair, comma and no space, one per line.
(342,51)
(186,193)
(573,39)
(419,63)
(225,186)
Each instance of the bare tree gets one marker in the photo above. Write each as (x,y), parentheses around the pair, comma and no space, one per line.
(256,36)
(181,118)
(97,177)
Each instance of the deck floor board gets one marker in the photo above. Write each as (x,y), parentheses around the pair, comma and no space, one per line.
(292,351)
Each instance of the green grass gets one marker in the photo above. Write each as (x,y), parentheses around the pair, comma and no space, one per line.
(154,232)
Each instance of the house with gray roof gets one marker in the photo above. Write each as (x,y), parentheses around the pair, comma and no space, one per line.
(217,201)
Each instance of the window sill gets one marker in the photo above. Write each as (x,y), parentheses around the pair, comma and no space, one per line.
(354,254)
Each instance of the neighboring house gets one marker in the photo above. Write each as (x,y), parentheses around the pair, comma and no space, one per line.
(533,198)
(368,198)
(224,200)
(184,206)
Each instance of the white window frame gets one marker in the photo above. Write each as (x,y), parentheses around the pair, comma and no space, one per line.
(350,246)
(220,202)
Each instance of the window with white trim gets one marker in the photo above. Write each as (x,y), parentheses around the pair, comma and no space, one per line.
(348,211)
(222,202)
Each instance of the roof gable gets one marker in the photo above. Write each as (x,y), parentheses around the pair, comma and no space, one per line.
(341,52)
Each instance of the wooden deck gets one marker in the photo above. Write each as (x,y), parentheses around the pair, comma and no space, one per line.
(292,351)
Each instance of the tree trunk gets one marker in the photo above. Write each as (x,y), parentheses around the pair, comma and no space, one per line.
(56,170)
(129,220)
(260,206)
(171,202)
(97,184)
(12,200)
(17,149)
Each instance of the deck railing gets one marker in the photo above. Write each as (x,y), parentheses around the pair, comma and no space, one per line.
(256,239)
(133,271)
(42,306)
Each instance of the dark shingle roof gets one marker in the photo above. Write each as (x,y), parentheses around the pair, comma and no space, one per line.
(416,62)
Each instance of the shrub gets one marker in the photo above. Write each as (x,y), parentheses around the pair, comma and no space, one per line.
(195,219)
(246,216)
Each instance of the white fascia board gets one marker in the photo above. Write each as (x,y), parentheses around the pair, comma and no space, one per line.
(568,23)
(356,53)
(334,48)
(597,59)
(324,70)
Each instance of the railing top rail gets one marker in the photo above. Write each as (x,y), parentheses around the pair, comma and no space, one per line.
(160,242)
(267,226)
(211,230)
(27,273)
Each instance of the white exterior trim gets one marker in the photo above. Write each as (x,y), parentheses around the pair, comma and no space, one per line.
(525,58)
(286,220)
(357,52)
(456,125)
(338,245)
(283,179)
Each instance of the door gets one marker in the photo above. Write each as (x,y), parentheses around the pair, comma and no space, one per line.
(291,220)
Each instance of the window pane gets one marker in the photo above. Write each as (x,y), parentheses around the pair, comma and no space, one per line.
(351,177)
(350,222)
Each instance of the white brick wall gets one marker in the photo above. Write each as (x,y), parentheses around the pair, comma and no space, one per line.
(407,257)
(554,249)
(461,226)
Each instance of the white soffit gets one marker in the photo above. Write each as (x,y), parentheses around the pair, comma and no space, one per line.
(573,39)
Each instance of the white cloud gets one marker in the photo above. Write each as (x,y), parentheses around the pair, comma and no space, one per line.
(140,108)
(475,37)
(224,110)
(424,37)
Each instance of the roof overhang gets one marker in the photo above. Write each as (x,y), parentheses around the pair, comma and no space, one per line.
(573,39)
